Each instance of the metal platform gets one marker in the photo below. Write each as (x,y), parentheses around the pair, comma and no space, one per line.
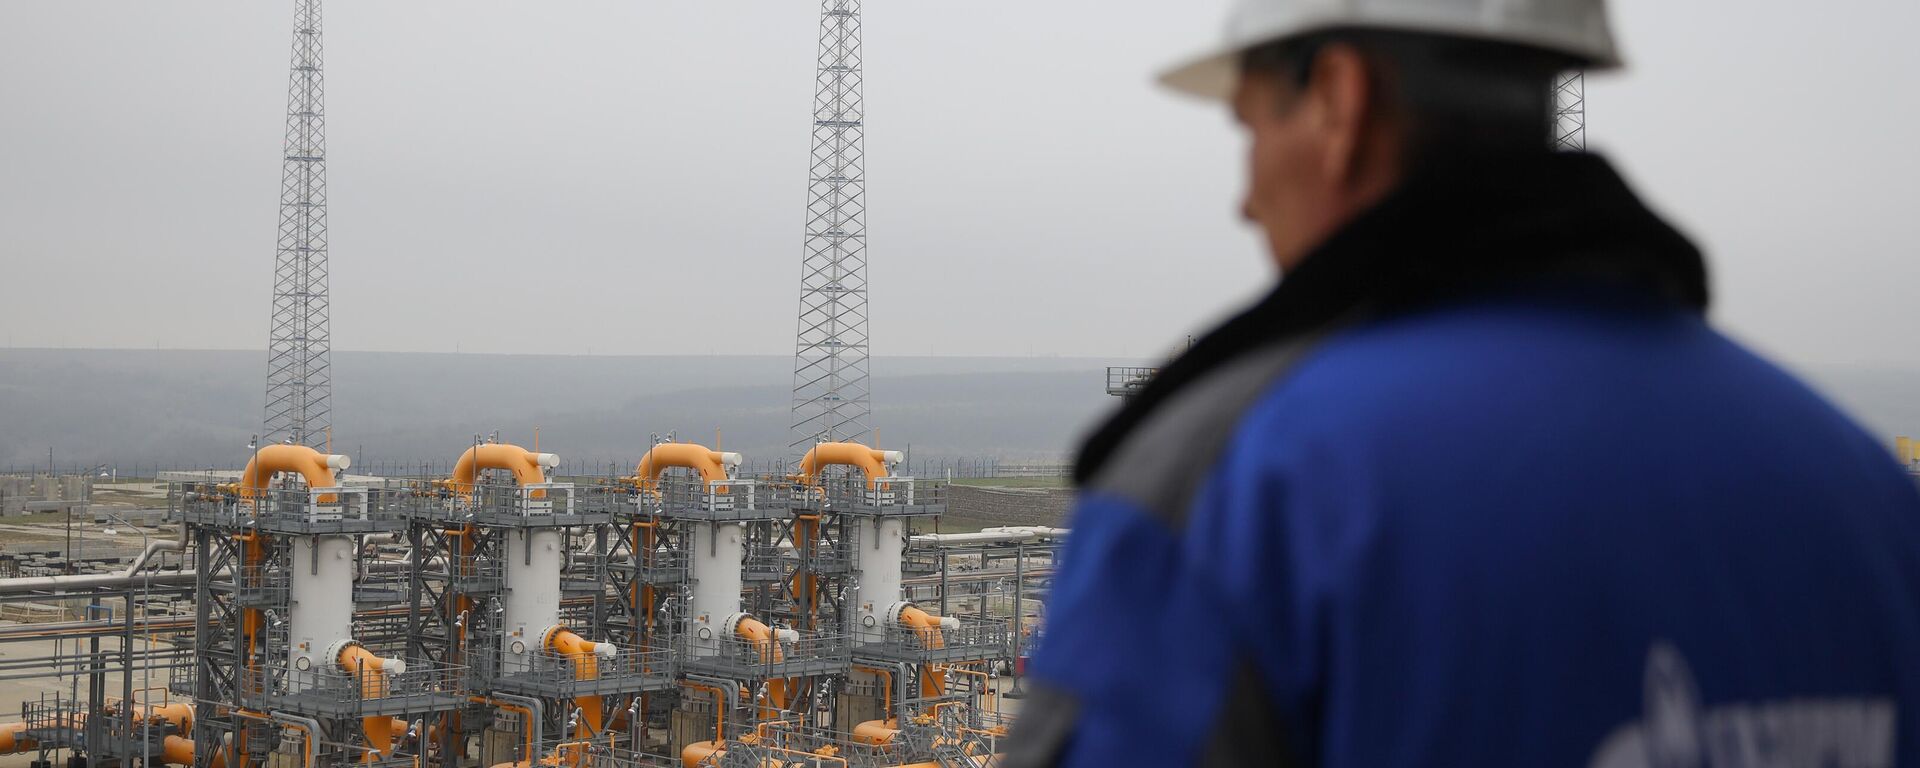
(422,688)
(534,505)
(665,566)
(884,497)
(737,659)
(293,511)
(679,497)
(973,640)
(555,675)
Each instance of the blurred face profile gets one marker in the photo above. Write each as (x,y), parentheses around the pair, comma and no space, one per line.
(1282,185)
(1315,156)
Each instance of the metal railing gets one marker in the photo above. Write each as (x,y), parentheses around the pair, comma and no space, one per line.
(1126,381)
(736,499)
(261,586)
(472,573)
(349,507)
(661,566)
(561,672)
(279,684)
(767,562)
(972,639)
(52,721)
(885,495)
(747,659)
(533,503)
(791,744)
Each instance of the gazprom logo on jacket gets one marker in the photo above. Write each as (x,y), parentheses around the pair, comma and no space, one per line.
(1675,732)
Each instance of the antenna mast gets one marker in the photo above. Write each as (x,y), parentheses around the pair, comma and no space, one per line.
(298,380)
(830,374)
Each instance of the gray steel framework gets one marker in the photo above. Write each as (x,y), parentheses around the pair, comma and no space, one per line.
(298,379)
(831,385)
(1570,111)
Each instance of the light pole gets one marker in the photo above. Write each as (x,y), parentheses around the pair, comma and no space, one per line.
(126,649)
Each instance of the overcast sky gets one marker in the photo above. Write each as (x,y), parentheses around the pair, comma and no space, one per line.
(628,177)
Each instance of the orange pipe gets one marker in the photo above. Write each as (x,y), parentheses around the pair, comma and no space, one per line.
(927,627)
(526,466)
(306,743)
(693,753)
(712,465)
(886,691)
(586,666)
(267,462)
(12,741)
(876,732)
(986,682)
(806,586)
(371,671)
(526,719)
(178,750)
(871,461)
(179,715)
(271,460)
(640,543)
(763,640)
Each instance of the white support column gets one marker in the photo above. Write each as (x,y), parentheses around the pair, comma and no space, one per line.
(321,604)
(719,551)
(530,602)
(877,556)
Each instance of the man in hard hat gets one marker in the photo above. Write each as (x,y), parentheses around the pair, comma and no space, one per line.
(1476,484)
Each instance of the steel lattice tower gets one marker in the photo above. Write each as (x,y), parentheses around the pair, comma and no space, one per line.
(298,379)
(1570,111)
(830,374)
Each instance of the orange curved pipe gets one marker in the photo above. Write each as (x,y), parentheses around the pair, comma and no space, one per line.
(307,737)
(271,460)
(178,750)
(316,467)
(371,671)
(712,465)
(872,462)
(927,626)
(527,722)
(876,732)
(763,640)
(586,666)
(692,754)
(524,464)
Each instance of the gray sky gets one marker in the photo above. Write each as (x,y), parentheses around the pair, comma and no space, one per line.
(628,177)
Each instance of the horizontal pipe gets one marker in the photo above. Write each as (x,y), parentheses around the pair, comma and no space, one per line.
(994,535)
(127,577)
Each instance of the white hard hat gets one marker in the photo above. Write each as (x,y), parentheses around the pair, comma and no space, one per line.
(1577,28)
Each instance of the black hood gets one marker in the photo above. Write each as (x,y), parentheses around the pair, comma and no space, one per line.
(1447,236)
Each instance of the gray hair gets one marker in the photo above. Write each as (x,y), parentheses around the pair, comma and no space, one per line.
(1457,99)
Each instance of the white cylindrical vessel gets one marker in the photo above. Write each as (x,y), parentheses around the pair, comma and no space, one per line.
(877,556)
(530,599)
(719,550)
(320,609)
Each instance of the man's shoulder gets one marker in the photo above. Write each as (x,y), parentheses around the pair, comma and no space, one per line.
(1522,356)
(1536,379)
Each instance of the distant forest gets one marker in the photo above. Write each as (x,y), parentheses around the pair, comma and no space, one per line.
(195,409)
(191,409)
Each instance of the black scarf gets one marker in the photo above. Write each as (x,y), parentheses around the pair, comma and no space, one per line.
(1447,235)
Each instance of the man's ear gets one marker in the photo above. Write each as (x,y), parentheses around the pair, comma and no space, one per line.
(1342,93)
